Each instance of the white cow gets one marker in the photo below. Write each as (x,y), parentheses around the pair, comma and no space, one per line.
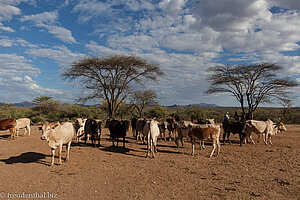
(79,128)
(266,128)
(23,123)
(151,132)
(57,135)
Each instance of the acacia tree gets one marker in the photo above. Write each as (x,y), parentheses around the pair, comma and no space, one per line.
(250,85)
(111,78)
(141,99)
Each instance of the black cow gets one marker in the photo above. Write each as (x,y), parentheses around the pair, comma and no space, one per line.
(233,127)
(133,126)
(118,129)
(93,128)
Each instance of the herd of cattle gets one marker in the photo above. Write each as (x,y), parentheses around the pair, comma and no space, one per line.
(146,130)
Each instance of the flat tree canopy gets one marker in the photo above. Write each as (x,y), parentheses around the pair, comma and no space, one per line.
(110,78)
(250,84)
(141,99)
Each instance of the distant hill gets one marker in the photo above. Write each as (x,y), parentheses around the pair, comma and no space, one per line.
(24,104)
(205,105)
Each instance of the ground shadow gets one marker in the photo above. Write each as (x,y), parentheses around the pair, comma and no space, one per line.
(5,137)
(163,151)
(121,150)
(28,157)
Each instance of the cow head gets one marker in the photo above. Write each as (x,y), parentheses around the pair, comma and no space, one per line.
(280,126)
(47,129)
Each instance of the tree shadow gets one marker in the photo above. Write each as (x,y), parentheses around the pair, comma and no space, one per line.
(28,157)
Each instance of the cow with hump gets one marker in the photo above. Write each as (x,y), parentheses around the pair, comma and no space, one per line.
(9,124)
(151,132)
(266,128)
(58,134)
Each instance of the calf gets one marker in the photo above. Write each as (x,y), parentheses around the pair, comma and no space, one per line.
(57,135)
(151,131)
(9,124)
(139,129)
(163,128)
(92,127)
(23,123)
(204,132)
(79,128)
(118,129)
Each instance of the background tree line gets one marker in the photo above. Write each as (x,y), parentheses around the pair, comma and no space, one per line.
(114,82)
(52,110)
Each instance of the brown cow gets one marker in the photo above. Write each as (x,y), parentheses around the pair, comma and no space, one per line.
(202,133)
(9,124)
(171,127)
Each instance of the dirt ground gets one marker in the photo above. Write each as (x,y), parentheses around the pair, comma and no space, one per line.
(248,172)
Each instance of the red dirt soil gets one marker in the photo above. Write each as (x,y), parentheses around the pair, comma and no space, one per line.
(247,172)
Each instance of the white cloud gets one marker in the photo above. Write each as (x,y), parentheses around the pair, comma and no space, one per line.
(172,7)
(25,88)
(231,15)
(5,28)
(61,54)
(61,33)
(12,65)
(48,21)
(42,18)
(8,11)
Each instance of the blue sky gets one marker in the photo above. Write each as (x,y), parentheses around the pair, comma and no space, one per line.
(40,38)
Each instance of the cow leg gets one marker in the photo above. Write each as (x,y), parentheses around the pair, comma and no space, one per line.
(201,143)
(250,136)
(270,137)
(53,154)
(224,137)
(214,147)
(241,139)
(17,132)
(228,135)
(265,137)
(99,140)
(155,142)
(68,150)
(124,142)
(148,146)
(113,141)
(152,147)
(219,146)
(12,133)
(28,130)
(59,153)
(193,149)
